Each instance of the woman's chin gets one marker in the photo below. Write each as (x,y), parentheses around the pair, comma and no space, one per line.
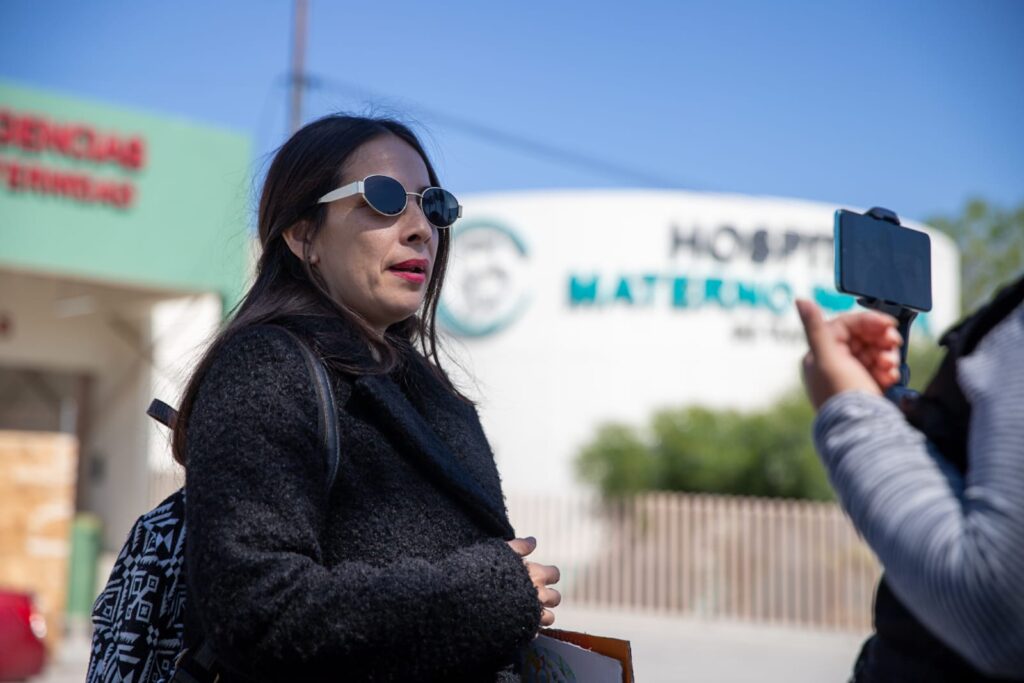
(401,310)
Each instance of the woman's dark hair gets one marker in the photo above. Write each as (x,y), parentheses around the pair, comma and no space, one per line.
(305,168)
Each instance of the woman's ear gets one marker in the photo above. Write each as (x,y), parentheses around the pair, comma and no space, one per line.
(299,242)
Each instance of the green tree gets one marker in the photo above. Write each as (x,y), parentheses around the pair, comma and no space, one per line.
(698,450)
(618,460)
(762,453)
(991,244)
(924,358)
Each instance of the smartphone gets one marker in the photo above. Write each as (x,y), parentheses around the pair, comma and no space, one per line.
(876,259)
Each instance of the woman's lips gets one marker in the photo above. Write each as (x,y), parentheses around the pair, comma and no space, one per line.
(412,270)
(410,275)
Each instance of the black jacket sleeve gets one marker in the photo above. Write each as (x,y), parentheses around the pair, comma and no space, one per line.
(267,605)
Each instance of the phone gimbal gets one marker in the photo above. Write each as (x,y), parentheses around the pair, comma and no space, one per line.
(898,393)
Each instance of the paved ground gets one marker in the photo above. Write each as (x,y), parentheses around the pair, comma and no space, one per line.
(668,650)
(665,650)
(70,663)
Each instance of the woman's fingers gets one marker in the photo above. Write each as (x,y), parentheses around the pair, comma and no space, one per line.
(872,338)
(886,370)
(549,597)
(523,546)
(856,346)
(877,358)
(866,329)
(872,326)
(543,574)
(842,350)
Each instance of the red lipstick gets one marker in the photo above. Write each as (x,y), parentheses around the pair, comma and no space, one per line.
(412,270)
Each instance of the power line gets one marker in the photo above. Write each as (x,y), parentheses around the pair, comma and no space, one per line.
(501,138)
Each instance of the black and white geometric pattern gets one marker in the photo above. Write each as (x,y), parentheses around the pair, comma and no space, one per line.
(138,619)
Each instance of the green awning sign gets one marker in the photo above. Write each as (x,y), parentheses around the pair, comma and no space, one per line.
(104,193)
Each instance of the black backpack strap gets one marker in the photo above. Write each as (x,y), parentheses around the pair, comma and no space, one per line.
(162,413)
(328,427)
(328,418)
(196,665)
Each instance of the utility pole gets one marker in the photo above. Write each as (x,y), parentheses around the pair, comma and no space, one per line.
(298,79)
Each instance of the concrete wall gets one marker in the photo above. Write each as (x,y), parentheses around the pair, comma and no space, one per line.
(108,334)
(181,329)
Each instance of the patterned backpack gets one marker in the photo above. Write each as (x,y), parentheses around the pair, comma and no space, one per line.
(138,618)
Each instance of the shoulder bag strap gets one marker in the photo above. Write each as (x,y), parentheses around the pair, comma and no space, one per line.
(328,427)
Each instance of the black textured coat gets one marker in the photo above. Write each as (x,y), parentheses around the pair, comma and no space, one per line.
(401,573)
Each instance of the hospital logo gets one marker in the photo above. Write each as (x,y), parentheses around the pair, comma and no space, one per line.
(487,285)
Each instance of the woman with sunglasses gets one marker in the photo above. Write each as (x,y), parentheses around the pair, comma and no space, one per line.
(406,569)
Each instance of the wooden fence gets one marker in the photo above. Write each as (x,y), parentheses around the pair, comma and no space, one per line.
(751,559)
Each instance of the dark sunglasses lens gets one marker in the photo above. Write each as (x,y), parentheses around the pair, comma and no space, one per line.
(384,194)
(440,207)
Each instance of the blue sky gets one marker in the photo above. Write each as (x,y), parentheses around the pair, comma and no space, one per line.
(912,105)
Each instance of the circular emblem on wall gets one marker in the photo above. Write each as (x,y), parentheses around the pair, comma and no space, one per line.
(487,286)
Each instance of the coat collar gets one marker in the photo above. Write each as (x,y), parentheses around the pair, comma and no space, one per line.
(418,441)
(333,339)
(414,423)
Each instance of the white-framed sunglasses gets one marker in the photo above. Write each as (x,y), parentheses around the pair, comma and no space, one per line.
(388,197)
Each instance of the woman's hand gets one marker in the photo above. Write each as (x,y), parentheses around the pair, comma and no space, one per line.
(542,575)
(852,352)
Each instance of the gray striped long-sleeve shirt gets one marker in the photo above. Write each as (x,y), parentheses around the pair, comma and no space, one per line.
(952,546)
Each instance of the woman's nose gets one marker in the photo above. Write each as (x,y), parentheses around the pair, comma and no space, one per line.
(416,227)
